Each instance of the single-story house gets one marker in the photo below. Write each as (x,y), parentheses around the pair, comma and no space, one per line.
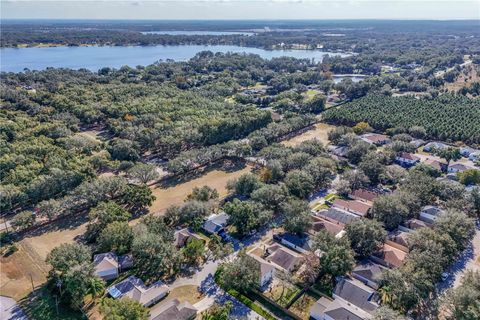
(437,165)
(353,206)
(429,213)
(106,265)
(406,159)
(458,167)
(338,151)
(182,236)
(267,269)
(363,195)
(337,309)
(417,224)
(375,138)
(417,143)
(302,244)
(389,256)
(284,258)
(368,273)
(173,310)
(337,215)
(357,293)
(429,147)
(466,151)
(474,156)
(336,229)
(215,222)
(135,289)
(400,238)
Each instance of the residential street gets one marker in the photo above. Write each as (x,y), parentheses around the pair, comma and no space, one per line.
(9,309)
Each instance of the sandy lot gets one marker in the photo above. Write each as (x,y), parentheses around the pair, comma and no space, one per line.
(175,194)
(320,132)
(28,263)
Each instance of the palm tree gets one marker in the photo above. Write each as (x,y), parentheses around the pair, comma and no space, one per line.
(96,287)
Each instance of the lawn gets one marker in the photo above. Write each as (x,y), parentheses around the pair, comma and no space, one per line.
(188,293)
(302,306)
(275,293)
(320,132)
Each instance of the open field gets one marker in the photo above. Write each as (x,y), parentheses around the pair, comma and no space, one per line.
(19,269)
(216,177)
(320,132)
(472,75)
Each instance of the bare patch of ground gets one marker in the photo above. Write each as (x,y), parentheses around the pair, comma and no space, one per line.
(320,132)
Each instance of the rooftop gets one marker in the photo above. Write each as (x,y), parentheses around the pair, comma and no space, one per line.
(173,310)
(363,194)
(339,215)
(357,293)
(354,206)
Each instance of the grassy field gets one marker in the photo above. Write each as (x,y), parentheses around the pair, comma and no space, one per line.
(216,177)
(320,132)
(185,293)
(302,306)
(18,270)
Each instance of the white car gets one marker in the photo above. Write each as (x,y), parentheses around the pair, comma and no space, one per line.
(445,276)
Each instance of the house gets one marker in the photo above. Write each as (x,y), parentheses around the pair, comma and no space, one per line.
(406,159)
(135,289)
(368,273)
(267,269)
(389,256)
(458,167)
(106,265)
(429,213)
(337,215)
(431,146)
(417,224)
(336,229)
(363,195)
(417,143)
(356,293)
(375,138)
(466,151)
(182,236)
(215,223)
(437,165)
(301,244)
(474,156)
(284,258)
(353,206)
(337,309)
(400,238)
(338,151)
(174,310)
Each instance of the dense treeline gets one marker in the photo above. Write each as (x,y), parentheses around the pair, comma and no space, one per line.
(447,117)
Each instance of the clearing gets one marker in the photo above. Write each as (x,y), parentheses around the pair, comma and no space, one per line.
(215,177)
(320,133)
(18,270)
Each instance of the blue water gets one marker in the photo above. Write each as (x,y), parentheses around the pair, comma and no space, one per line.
(200,33)
(94,58)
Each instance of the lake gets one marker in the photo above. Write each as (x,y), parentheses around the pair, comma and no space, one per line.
(96,57)
(200,33)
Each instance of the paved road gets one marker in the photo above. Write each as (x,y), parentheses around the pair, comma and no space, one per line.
(9,309)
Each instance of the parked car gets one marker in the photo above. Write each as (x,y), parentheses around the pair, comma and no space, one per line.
(445,276)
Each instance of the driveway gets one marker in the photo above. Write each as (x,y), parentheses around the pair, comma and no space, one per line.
(9,309)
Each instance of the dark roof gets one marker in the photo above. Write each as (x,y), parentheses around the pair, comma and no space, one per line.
(125,261)
(342,314)
(369,271)
(338,215)
(364,194)
(299,241)
(356,293)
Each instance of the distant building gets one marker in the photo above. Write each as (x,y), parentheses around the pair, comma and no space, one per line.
(474,156)
(215,223)
(406,159)
(135,289)
(338,151)
(458,167)
(417,224)
(417,143)
(174,310)
(375,138)
(437,165)
(429,147)
(429,213)
(466,151)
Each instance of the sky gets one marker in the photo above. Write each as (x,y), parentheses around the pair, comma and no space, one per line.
(240,9)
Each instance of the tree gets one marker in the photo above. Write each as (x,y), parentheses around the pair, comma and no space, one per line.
(193,251)
(457,225)
(241,274)
(123,149)
(65,256)
(102,215)
(297,216)
(123,309)
(390,210)
(219,249)
(449,154)
(469,177)
(373,167)
(270,195)
(137,198)
(218,312)
(117,237)
(23,220)
(245,184)
(357,150)
(246,216)
(322,170)
(463,302)
(362,127)
(336,134)
(386,313)
(299,183)
(153,257)
(424,239)
(204,194)
(143,172)
(352,180)
(365,236)
(193,212)
(158,226)
(336,259)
